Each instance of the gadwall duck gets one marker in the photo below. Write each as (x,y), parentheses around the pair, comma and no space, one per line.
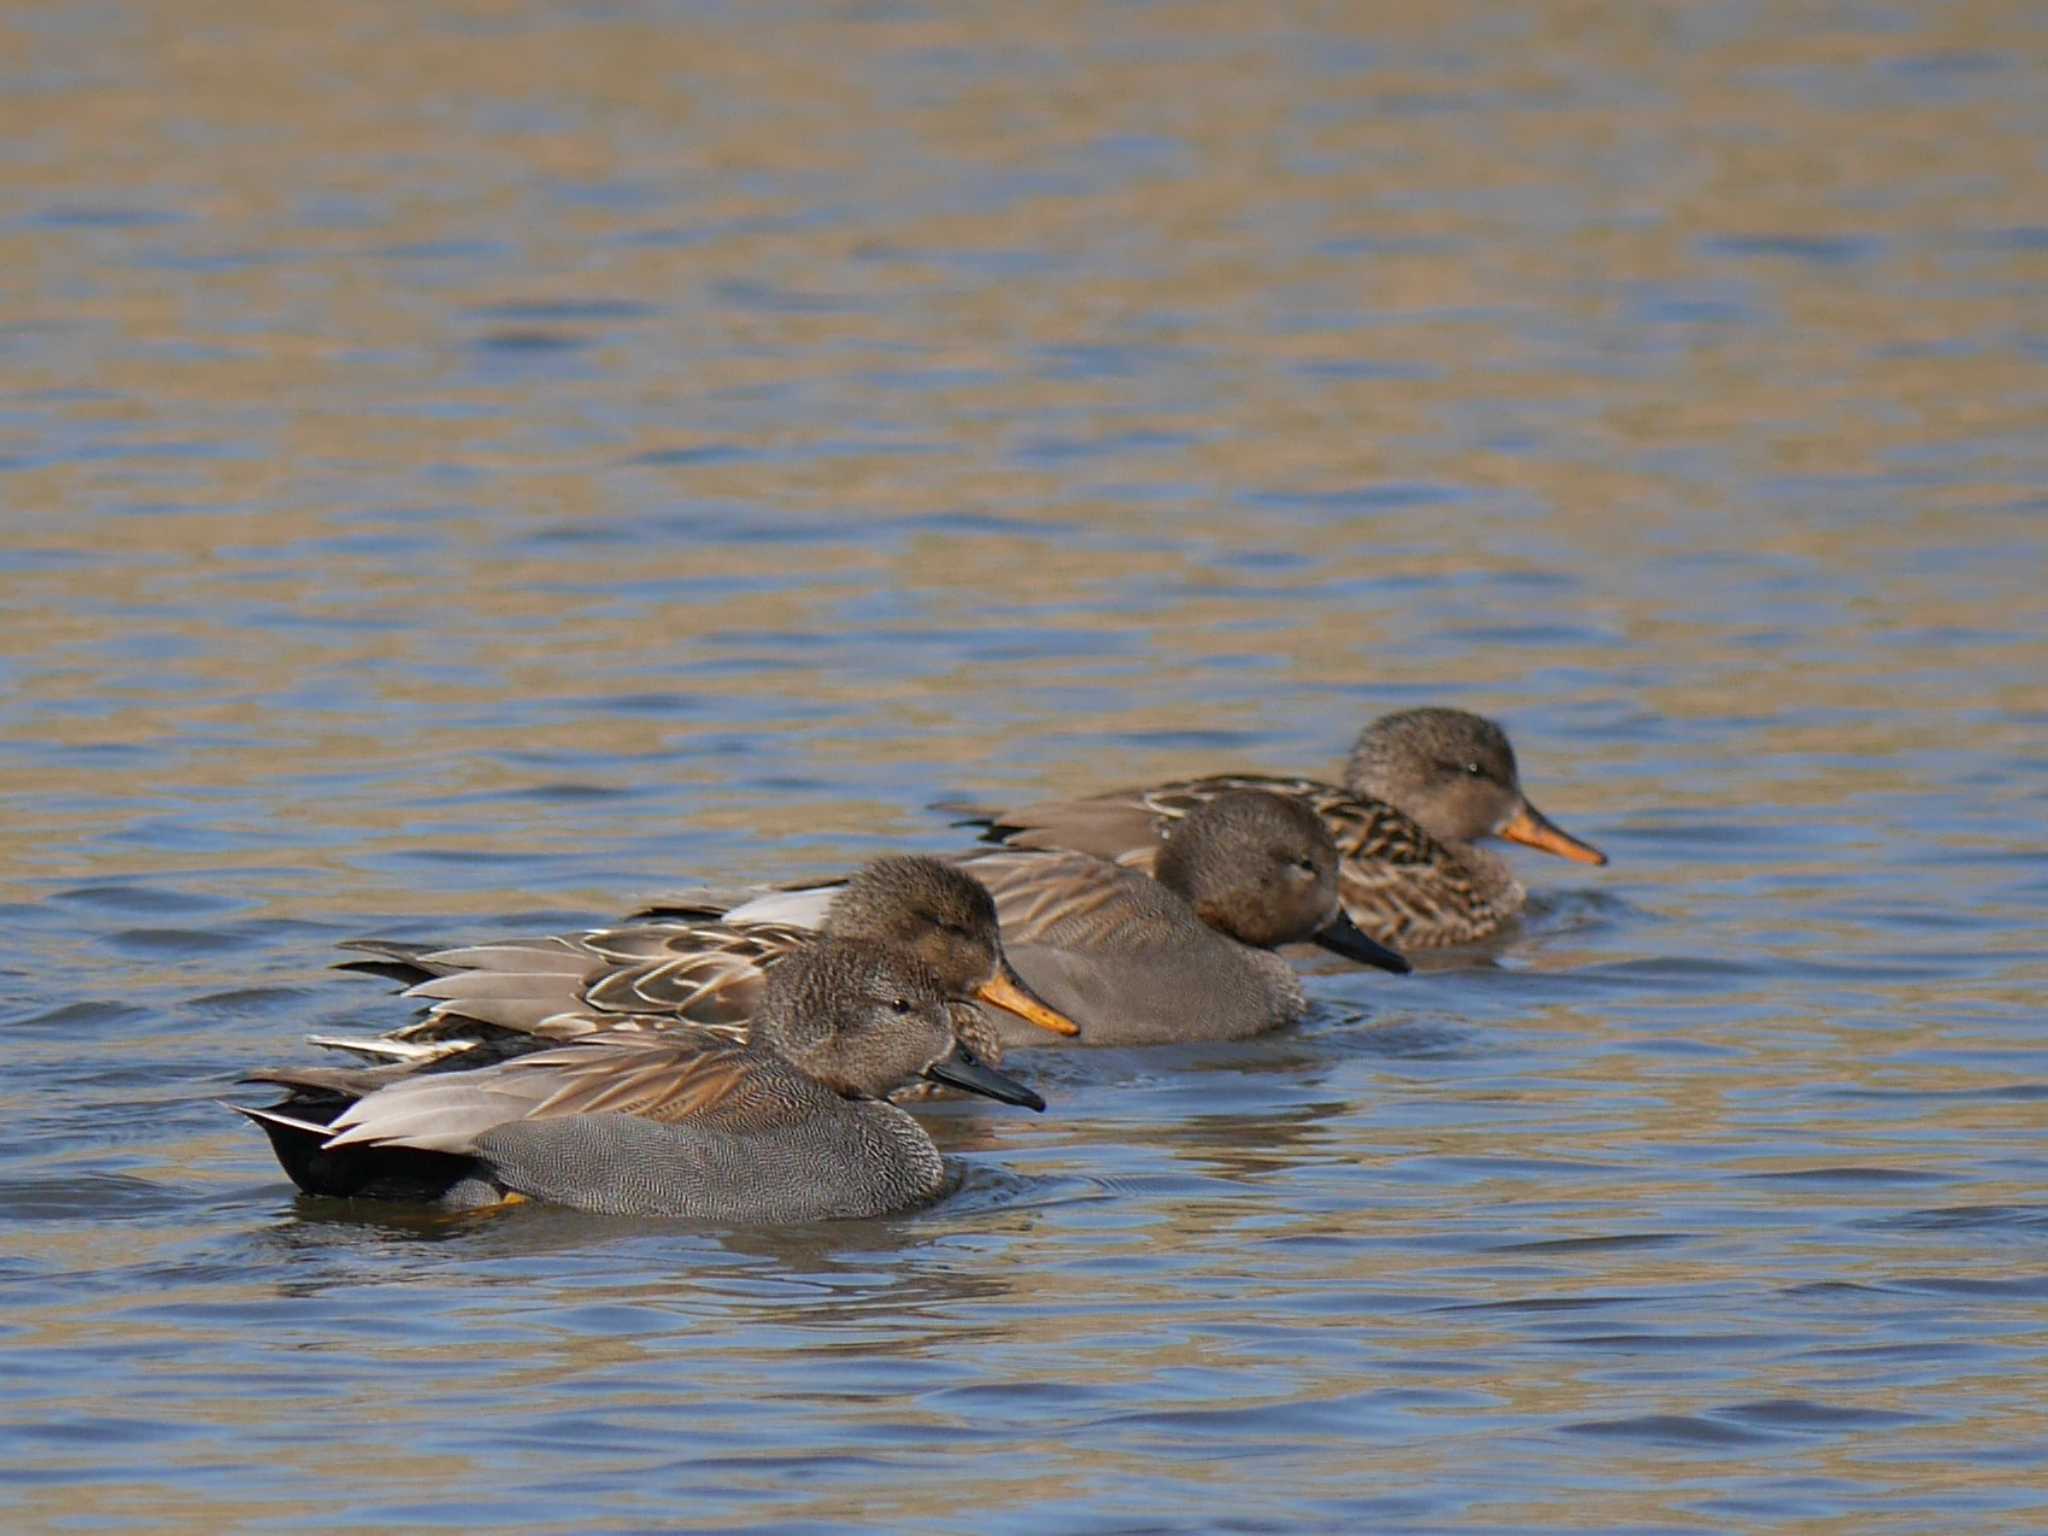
(499,999)
(787,1125)
(1420,788)
(1185,956)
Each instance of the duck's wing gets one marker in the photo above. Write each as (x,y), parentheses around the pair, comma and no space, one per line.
(1127,826)
(1123,826)
(799,903)
(1060,900)
(668,1077)
(696,903)
(513,983)
(706,974)
(394,959)
(635,976)
(792,906)
(336,1083)
(477,992)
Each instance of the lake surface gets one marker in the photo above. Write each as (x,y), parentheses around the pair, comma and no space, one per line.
(467,466)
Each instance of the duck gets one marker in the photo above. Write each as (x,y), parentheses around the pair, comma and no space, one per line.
(789,1124)
(1419,790)
(692,969)
(1185,954)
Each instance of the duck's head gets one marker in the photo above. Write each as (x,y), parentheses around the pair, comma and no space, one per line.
(1454,773)
(948,920)
(865,1018)
(1262,869)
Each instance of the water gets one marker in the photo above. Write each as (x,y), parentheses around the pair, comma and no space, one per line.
(466,467)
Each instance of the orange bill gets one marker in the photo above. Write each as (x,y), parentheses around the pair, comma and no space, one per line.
(1006,990)
(1530,826)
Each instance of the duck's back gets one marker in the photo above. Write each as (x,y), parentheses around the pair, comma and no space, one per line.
(1126,957)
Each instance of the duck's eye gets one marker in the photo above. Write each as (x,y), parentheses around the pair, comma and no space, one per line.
(1305,864)
(1473,770)
(901,1005)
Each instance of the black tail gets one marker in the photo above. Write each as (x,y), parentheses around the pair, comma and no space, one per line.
(297,1129)
(965,813)
(698,904)
(393,959)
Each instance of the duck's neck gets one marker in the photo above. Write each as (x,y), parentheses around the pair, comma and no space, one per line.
(1492,874)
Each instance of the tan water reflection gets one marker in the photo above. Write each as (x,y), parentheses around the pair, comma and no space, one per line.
(464,462)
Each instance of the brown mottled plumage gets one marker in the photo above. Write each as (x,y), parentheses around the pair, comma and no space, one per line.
(699,971)
(1421,787)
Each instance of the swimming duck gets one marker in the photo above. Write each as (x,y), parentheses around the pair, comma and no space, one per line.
(1185,956)
(498,999)
(789,1124)
(1420,787)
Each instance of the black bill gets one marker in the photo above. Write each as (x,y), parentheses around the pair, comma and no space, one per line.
(959,1069)
(1342,937)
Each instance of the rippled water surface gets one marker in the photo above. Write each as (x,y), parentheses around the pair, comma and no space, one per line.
(466,466)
